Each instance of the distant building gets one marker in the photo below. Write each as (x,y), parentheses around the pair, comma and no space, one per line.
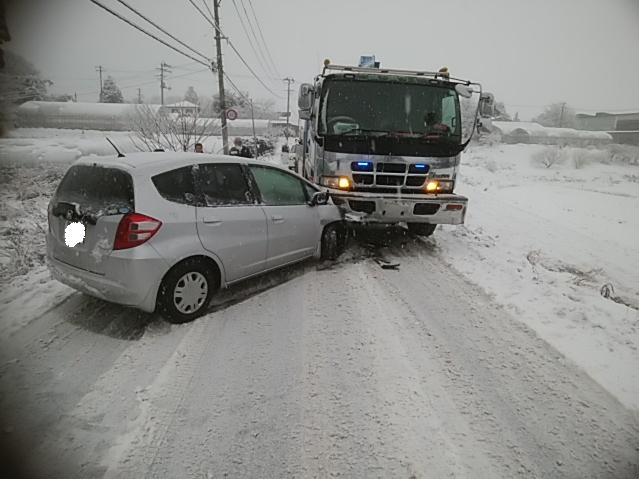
(183,108)
(623,127)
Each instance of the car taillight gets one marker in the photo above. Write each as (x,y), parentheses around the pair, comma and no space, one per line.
(135,229)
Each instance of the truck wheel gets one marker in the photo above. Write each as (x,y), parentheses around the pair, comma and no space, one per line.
(421,229)
(333,241)
(186,291)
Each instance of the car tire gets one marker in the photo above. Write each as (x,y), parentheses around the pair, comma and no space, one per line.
(421,229)
(186,291)
(333,241)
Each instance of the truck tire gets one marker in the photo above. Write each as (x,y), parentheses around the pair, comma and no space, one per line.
(421,229)
(333,241)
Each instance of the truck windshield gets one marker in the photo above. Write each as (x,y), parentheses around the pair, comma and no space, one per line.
(361,107)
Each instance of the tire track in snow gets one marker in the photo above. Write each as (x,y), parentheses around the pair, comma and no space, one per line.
(521,396)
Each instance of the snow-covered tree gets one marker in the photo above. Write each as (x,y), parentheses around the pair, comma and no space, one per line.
(191,96)
(111,92)
(557,115)
(231,100)
(20,81)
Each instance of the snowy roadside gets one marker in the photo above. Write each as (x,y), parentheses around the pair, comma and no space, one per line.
(557,245)
(27,290)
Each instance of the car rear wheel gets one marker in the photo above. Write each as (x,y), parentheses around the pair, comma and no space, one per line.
(421,229)
(333,241)
(186,291)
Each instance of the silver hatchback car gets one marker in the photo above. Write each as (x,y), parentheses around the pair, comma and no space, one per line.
(163,231)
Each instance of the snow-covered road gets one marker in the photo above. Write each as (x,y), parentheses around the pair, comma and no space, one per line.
(350,370)
(490,352)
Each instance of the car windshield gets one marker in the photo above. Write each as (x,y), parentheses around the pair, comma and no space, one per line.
(355,107)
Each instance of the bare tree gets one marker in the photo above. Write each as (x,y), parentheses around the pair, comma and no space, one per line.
(153,128)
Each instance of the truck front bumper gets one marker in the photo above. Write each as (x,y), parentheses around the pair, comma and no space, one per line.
(363,207)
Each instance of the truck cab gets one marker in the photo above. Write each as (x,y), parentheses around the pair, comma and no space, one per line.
(387,143)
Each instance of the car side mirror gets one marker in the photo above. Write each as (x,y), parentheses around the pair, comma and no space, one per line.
(319,198)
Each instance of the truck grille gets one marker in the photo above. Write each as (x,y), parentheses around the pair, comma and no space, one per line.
(387,177)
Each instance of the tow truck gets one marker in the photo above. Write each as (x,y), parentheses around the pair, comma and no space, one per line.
(387,143)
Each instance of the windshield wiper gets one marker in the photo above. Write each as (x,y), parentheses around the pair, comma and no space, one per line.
(364,131)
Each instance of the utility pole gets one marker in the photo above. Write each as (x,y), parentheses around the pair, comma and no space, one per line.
(253,122)
(164,68)
(139,96)
(561,116)
(220,77)
(99,69)
(288,80)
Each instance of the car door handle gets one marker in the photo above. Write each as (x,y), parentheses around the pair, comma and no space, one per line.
(211,221)
(277,219)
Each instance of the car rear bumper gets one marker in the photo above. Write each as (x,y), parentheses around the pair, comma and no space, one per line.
(384,208)
(130,282)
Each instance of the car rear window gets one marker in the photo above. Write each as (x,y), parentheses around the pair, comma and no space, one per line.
(97,187)
(176,185)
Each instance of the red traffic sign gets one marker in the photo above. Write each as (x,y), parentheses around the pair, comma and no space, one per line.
(231,114)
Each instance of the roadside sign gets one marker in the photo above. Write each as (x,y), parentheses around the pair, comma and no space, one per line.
(231,114)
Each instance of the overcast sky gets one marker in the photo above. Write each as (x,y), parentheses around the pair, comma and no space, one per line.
(529,53)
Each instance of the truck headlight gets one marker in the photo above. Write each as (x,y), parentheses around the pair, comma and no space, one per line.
(439,186)
(336,182)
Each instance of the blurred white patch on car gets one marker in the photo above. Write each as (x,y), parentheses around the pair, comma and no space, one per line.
(74,234)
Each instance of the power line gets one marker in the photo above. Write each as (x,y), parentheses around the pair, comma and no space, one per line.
(271,70)
(209,65)
(133,85)
(248,37)
(161,29)
(263,40)
(206,5)
(239,92)
(217,28)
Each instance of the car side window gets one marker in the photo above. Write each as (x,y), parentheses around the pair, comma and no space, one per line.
(176,185)
(223,184)
(278,188)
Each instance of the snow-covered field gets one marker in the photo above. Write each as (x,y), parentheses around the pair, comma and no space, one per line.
(551,242)
(474,359)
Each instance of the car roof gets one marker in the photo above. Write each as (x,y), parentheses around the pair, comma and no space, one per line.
(145,163)
(150,163)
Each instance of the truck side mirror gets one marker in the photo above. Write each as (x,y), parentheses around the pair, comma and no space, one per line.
(305,101)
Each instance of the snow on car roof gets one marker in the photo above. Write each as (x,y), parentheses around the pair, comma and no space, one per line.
(143,163)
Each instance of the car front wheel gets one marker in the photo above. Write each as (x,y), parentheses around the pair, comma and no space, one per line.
(333,241)
(186,291)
